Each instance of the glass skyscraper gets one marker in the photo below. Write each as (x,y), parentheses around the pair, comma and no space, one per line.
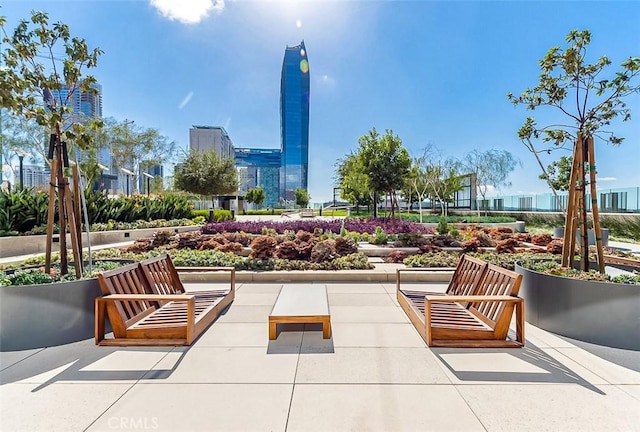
(294,121)
(262,169)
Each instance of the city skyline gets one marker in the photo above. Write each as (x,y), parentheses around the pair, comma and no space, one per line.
(436,73)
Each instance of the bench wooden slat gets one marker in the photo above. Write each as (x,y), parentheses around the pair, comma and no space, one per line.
(146,304)
(475,311)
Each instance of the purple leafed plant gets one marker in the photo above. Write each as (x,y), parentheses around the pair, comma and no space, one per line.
(389,226)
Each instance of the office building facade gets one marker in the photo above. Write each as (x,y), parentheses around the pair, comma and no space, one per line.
(294,121)
(260,167)
(207,138)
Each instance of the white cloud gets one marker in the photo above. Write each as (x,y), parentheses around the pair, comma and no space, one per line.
(186,100)
(187,11)
(607,179)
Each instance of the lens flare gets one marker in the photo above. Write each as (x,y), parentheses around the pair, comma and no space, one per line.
(298,23)
(304,66)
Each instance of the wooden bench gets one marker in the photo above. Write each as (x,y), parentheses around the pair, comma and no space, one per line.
(301,304)
(465,278)
(476,313)
(151,310)
(307,213)
(164,278)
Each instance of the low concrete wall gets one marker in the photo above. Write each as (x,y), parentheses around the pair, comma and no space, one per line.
(37,316)
(597,312)
(23,245)
(517,226)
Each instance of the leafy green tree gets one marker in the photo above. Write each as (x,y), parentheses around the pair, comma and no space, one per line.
(491,168)
(416,186)
(302,197)
(558,173)
(581,93)
(442,182)
(134,147)
(255,196)
(31,81)
(205,173)
(386,163)
(353,181)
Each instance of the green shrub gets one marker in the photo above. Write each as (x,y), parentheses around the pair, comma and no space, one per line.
(379,237)
(433,259)
(443,226)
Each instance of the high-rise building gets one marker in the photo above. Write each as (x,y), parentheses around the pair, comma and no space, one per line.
(294,121)
(88,105)
(262,169)
(207,138)
(83,103)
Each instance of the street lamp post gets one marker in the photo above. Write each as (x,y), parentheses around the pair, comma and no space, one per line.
(149,177)
(21,157)
(128,173)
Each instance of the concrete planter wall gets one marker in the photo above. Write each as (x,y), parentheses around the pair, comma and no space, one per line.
(597,312)
(23,245)
(604,235)
(517,226)
(36,316)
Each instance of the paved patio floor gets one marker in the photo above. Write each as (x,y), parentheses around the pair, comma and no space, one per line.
(374,374)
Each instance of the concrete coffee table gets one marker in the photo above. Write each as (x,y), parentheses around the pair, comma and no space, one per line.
(305,303)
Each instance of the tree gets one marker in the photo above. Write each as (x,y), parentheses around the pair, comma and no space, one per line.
(442,181)
(581,94)
(353,181)
(558,173)
(205,173)
(490,168)
(302,197)
(255,196)
(386,163)
(33,90)
(416,182)
(134,147)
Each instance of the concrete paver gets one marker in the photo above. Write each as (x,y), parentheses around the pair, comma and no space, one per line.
(199,407)
(379,408)
(562,407)
(375,373)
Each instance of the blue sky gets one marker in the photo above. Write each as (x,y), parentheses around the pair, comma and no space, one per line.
(435,72)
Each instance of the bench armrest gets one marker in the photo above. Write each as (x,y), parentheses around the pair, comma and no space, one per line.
(472,298)
(147,297)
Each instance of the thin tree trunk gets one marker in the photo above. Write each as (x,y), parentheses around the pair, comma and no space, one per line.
(594,204)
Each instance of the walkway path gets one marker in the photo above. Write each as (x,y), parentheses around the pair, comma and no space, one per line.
(374,374)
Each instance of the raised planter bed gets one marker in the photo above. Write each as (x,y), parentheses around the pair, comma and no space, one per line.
(597,312)
(23,245)
(37,316)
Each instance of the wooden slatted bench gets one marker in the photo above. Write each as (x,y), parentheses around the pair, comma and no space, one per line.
(141,313)
(307,213)
(164,278)
(478,315)
(301,304)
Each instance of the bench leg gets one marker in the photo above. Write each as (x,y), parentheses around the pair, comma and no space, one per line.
(326,329)
(273,330)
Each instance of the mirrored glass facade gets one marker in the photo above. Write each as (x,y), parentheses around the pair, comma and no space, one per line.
(262,169)
(294,121)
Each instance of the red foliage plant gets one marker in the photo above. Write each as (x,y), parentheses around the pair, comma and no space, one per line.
(541,239)
(395,256)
